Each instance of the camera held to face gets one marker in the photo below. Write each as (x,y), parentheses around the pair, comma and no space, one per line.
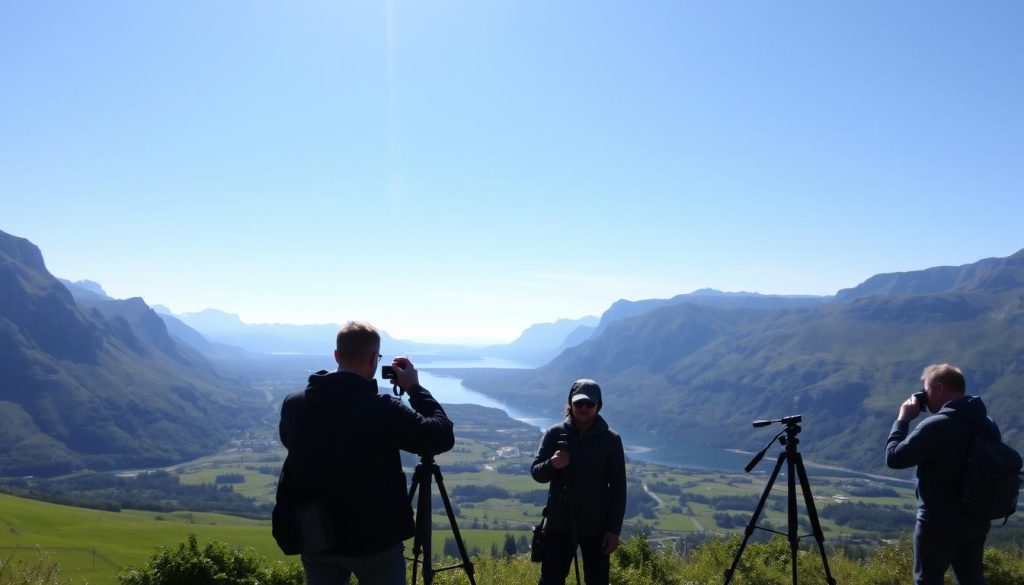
(922,399)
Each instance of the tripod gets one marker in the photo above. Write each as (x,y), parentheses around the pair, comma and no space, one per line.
(425,470)
(794,463)
(567,497)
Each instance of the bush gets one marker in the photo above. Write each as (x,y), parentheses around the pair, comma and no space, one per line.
(214,564)
(638,564)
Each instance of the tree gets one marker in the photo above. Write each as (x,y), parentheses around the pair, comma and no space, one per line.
(510,545)
(451,548)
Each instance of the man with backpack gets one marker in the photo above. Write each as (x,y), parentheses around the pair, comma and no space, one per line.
(946,533)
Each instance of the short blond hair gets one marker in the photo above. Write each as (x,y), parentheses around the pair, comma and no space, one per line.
(356,340)
(948,375)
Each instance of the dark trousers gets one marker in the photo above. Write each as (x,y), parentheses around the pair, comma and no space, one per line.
(941,544)
(558,555)
(386,567)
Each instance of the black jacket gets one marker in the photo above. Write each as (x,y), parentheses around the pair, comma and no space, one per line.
(597,478)
(343,441)
(938,447)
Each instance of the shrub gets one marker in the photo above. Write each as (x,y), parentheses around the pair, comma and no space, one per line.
(636,563)
(214,564)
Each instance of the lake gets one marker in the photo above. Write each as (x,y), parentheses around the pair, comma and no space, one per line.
(449,390)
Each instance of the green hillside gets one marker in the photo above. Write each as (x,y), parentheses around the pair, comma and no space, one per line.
(699,374)
(103,385)
(96,545)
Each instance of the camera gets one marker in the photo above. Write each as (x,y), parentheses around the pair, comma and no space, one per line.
(922,399)
(562,445)
(388,373)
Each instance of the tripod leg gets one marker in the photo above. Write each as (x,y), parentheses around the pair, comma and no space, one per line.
(423,519)
(572,528)
(793,530)
(812,513)
(753,519)
(417,542)
(466,563)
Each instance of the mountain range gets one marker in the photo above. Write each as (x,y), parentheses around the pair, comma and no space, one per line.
(700,372)
(91,381)
(99,383)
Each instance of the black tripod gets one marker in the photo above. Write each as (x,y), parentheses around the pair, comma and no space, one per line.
(425,470)
(567,497)
(794,463)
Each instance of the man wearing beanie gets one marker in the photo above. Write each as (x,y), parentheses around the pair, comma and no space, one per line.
(583,462)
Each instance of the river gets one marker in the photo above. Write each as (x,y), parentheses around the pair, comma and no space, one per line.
(449,390)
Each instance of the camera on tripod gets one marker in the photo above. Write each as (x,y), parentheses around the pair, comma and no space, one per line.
(795,473)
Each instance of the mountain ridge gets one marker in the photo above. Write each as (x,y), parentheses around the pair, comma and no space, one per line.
(100,385)
(700,373)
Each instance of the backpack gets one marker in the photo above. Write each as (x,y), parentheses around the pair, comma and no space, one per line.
(992,478)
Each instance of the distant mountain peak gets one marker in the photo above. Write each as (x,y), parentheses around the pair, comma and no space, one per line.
(22,251)
(91,286)
(713,292)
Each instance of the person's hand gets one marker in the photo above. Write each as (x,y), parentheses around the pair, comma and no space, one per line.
(610,543)
(560,459)
(909,410)
(406,375)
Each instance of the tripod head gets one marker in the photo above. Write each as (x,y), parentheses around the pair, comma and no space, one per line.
(788,421)
(791,431)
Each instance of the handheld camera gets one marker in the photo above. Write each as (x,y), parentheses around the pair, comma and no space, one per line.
(922,399)
(388,373)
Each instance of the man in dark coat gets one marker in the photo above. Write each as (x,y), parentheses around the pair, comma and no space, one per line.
(938,446)
(585,464)
(342,499)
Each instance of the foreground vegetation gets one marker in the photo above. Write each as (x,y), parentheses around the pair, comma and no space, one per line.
(636,563)
(495,502)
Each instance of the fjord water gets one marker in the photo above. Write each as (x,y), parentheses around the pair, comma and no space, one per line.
(449,390)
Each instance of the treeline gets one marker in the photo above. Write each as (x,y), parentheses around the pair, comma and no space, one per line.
(157,491)
(473,494)
(885,520)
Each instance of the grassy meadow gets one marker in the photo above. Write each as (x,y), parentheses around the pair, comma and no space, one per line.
(492,494)
(94,546)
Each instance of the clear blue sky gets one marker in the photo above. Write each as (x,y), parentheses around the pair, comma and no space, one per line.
(460,170)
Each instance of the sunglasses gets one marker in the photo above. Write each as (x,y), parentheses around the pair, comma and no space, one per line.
(584,403)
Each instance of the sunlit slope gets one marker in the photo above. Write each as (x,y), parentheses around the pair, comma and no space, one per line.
(97,545)
(101,386)
(700,374)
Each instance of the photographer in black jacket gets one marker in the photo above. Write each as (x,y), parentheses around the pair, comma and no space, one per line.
(943,535)
(342,499)
(585,464)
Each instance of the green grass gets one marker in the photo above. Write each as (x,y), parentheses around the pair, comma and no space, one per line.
(95,545)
